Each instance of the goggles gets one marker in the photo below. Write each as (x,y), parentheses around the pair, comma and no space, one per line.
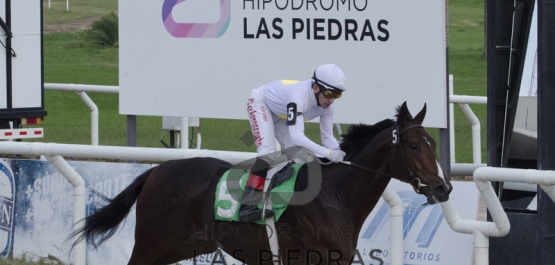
(328,93)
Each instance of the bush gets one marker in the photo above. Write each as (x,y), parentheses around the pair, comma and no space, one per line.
(104,32)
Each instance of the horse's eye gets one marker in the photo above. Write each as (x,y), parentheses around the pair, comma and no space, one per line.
(413,146)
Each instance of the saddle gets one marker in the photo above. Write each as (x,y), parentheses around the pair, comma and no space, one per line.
(229,190)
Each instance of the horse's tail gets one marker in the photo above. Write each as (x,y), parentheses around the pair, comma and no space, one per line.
(105,221)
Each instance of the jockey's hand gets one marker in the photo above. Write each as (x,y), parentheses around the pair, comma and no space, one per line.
(335,155)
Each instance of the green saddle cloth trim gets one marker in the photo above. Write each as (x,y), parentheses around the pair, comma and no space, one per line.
(230,191)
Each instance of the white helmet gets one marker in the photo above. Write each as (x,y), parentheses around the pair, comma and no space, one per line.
(330,77)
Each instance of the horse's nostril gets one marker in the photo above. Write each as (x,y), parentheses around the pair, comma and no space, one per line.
(441,189)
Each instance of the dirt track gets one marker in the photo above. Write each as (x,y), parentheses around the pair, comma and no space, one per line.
(68,27)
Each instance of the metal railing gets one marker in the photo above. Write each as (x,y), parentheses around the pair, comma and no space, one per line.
(81,91)
(481,230)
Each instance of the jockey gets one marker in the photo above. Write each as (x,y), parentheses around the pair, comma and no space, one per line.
(278,110)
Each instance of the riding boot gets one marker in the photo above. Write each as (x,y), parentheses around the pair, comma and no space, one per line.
(251,197)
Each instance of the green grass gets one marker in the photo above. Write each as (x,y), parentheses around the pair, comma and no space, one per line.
(69,58)
(467,64)
(24,260)
(79,10)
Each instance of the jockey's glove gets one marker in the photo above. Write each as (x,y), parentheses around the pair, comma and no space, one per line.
(335,155)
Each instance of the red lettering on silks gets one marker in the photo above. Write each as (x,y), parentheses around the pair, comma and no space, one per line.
(264,113)
(255,128)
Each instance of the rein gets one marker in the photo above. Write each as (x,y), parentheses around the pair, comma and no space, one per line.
(349,163)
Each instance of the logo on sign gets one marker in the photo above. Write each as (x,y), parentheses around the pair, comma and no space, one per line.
(6,207)
(414,209)
(196,30)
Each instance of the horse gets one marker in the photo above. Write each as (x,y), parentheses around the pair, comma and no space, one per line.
(175,217)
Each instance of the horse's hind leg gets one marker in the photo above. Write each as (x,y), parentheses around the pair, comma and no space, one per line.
(165,240)
(151,246)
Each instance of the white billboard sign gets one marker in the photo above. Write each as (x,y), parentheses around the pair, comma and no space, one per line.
(201,58)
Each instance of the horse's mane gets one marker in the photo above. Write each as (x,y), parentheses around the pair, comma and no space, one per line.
(359,135)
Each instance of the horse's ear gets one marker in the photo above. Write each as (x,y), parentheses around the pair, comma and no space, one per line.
(403,114)
(420,116)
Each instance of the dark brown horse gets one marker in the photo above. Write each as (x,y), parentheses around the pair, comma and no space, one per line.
(175,201)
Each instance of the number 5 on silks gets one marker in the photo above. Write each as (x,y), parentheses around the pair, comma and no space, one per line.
(291,114)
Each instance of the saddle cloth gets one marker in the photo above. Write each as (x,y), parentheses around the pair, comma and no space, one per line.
(232,185)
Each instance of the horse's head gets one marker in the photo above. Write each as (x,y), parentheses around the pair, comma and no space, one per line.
(414,157)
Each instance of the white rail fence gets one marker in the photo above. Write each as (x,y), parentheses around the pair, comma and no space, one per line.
(500,225)
(82,90)
(54,154)
(482,175)
(55,151)
(462,101)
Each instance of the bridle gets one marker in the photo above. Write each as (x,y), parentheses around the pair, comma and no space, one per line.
(413,179)
(415,182)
